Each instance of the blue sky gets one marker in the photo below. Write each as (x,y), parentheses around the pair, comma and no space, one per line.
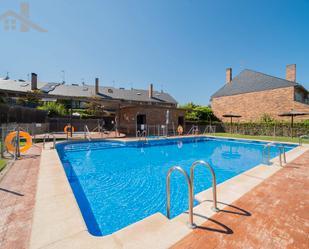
(182,46)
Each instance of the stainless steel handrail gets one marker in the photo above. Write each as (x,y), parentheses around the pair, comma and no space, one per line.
(280,148)
(210,128)
(301,139)
(87,133)
(138,133)
(214,181)
(47,135)
(168,192)
(144,135)
(193,130)
(141,135)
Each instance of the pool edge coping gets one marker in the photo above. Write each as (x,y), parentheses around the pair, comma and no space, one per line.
(53,187)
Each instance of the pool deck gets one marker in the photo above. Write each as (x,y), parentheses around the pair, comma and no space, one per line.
(56,221)
(275,214)
(17,195)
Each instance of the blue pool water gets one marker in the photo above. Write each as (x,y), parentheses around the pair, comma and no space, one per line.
(119,183)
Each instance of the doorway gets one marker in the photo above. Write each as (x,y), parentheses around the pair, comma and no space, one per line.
(141,122)
(181,120)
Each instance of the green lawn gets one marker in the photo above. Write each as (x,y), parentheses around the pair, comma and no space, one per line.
(271,138)
(2,164)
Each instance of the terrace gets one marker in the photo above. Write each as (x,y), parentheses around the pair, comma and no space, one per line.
(39,205)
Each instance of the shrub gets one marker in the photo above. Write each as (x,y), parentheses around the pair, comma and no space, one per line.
(266,118)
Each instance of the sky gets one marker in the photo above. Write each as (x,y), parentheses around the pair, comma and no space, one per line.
(181,46)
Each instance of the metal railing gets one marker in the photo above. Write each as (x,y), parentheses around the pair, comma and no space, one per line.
(87,133)
(301,138)
(281,150)
(190,193)
(210,129)
(193,130)
(214,181)
(47,136)
(141,135)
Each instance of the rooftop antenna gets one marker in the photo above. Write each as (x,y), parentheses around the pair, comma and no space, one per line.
(161,88)
(28,76)
(131,84)
(7,77)
(83,81)
(63,76)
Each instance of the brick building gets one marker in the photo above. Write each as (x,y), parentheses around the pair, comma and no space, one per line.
(252,94)
(129,109)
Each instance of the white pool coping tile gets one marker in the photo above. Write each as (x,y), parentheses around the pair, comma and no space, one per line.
(58,222)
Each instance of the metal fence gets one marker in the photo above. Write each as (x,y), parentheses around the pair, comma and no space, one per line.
(150,130)
(34,129)
(58,124)
(256,129)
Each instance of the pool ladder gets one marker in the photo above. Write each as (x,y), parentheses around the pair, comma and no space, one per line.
(281,151)
(301,139)
(190,182)
(142,135)
(47,136)
(87,133)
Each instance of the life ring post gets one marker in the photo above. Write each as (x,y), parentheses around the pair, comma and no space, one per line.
(17,143)
(69,129)
(180,130)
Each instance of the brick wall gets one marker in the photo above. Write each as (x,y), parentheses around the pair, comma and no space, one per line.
(251,106)
(154,116)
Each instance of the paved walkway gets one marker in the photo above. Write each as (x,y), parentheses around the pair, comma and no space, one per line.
(275,214)
(17,195)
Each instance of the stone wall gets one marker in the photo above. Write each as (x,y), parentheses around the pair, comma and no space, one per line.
(251,106)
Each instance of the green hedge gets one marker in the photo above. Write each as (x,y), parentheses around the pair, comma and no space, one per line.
(258,129)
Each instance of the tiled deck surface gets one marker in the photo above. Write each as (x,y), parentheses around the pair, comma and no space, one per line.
(17,193)
(275,214)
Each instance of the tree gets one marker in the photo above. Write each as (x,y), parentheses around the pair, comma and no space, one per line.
(198,113)
(31,99)
(2,100)
(95,108)
(54,109)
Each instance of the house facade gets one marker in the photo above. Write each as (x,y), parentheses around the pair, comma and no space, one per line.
(131,109)
(253,94)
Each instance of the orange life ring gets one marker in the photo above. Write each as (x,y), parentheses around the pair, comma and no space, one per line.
(68,127)
(12,135)
(180,130)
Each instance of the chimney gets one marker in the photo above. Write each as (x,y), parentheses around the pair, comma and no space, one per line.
(34,81)
(228,75)
(96,85)
(150,92)
(291,72)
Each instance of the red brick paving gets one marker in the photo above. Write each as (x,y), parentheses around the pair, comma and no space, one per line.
(277,215)
(17,195)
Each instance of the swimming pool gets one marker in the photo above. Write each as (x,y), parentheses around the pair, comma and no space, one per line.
(118,183)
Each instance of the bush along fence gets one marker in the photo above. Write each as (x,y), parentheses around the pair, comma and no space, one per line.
(256,129)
